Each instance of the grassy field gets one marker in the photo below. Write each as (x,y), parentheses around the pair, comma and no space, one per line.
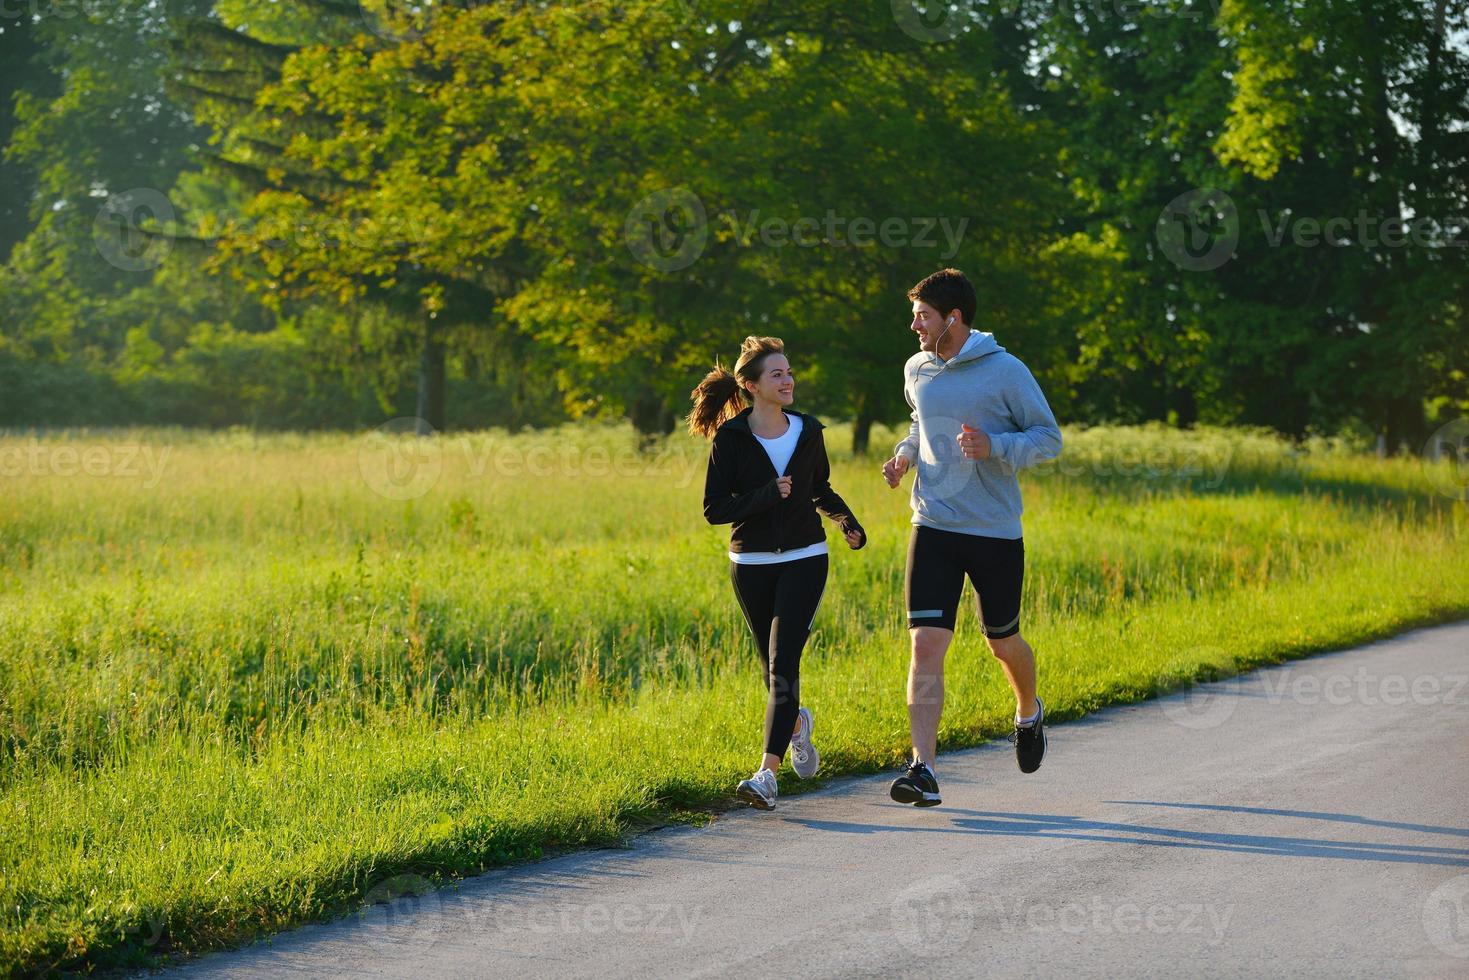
(247,680)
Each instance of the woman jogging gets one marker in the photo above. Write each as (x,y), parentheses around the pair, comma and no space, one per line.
(768,476)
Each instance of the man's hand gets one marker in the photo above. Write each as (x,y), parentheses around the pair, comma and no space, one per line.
(974,442)
(893,470)
(783,484)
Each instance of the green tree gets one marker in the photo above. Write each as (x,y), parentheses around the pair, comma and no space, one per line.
(20,50)
(372,162)
(103,65)
(1295,111)
(1353,114)
(715,173)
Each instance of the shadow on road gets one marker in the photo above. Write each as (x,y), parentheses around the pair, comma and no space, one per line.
(1421,828)
(993,823)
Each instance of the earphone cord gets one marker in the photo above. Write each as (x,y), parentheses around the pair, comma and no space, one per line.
(936,344)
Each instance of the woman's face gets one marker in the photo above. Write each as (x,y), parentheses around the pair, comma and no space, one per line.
(777,384)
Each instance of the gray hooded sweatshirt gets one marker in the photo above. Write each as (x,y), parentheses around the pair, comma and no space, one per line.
(991,390)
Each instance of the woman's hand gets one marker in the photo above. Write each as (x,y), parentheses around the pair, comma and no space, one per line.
(855,539)
(784,484)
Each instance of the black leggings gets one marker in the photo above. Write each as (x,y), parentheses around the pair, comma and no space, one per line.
(779,602)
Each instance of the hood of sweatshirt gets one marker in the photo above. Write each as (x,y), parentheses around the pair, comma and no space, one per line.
(972,350)
(986,387)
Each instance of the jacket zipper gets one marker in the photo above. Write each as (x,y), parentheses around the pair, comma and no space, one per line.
(779,514)
(779,523)
(780,517)
(780,504)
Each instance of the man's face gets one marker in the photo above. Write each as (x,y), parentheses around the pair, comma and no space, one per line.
(928,324)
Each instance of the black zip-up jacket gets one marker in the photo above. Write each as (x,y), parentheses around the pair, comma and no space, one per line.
(740,489)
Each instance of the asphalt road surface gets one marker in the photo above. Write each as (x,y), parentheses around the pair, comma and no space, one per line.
(1306,820)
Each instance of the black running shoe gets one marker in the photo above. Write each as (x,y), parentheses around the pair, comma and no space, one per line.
(917,786)
(1030,741)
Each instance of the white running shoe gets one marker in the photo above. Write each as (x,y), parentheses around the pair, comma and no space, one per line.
(758,790)
(804,757)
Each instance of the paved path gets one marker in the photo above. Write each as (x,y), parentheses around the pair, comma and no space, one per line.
(1307,820)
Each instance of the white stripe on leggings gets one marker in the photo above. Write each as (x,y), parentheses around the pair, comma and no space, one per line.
(817,609)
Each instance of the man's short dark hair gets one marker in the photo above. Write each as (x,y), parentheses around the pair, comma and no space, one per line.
(945,290)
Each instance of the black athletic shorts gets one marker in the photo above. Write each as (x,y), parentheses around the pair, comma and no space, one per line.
(939,560)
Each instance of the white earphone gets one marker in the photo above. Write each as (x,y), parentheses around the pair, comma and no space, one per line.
(947,324)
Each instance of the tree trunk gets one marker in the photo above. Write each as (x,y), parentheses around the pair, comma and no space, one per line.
(653,419)
(1385,134)
(1432,98)
(1405,426)
(862,427)
(1185,407)
(431,384)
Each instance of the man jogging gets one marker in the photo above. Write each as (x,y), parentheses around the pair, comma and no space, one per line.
(978,418)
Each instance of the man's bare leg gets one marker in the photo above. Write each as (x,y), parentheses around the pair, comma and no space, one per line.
(1018,661)
(926,688)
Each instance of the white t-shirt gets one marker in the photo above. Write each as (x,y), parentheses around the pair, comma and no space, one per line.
(780,449)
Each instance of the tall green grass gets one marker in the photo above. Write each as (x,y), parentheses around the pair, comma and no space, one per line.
(243,687)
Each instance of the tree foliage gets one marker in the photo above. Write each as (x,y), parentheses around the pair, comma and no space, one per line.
(609,195)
